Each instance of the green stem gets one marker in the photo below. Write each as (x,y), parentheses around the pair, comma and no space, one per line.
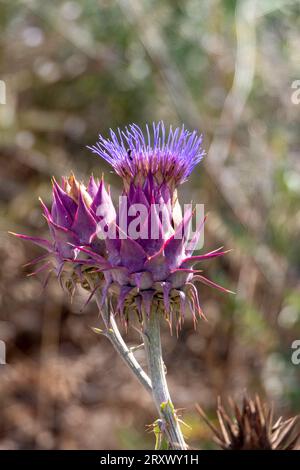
(157,374)
(113,334)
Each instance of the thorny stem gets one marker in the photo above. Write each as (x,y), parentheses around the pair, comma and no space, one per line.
(160,392)
(113,334)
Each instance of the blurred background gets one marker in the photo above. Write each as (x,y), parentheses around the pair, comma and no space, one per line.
(72,69)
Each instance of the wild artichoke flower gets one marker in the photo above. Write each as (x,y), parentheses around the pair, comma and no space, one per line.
(139,260)
(154,267)
(75,213)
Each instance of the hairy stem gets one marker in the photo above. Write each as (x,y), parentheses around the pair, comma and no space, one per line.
(160,392)
(113,334)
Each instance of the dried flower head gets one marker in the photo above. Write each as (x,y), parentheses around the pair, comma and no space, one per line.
(252,427)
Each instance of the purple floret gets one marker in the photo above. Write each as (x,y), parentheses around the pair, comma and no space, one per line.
(169,155)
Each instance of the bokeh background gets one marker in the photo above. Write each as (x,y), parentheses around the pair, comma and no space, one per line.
(75,68)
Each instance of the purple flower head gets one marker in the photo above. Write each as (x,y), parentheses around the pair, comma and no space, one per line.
(73,219)
(141,258)
(168,155)
(153,264)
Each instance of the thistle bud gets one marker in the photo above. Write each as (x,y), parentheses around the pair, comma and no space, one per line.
(72,222)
